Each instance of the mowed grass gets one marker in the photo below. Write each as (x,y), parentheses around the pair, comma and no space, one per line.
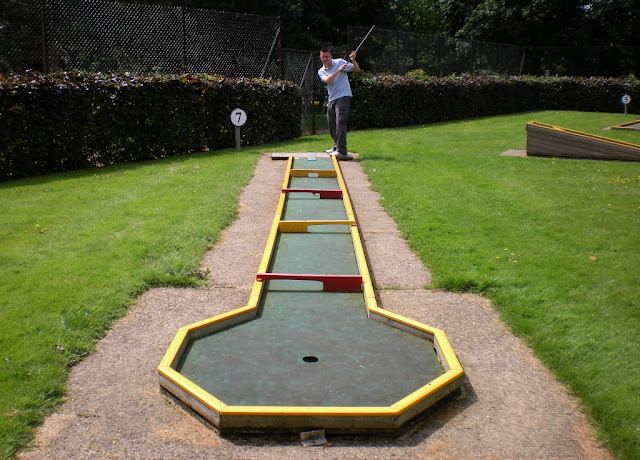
(554,243)
(76,248)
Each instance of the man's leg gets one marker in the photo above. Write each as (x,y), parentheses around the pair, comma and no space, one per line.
(343,106)
(331,120)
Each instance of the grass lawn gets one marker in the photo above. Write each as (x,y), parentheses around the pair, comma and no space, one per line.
(76,248)
(553,243)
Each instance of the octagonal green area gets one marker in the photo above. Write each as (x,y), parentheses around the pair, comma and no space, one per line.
(307,351)
(351,359)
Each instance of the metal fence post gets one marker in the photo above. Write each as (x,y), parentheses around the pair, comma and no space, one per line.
(183,14)
(280,60)
(45,38)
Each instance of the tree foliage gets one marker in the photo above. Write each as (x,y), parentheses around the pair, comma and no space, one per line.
(308,24)
(546,22)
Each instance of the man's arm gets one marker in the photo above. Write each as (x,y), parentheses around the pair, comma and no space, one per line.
(328,79)
(356,66)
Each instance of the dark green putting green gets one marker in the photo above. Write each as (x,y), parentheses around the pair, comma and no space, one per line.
(307,347)
(319,163)
(360,362)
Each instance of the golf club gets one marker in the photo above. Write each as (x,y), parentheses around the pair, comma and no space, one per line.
(365,37)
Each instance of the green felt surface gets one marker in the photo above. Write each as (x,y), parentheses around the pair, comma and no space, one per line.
(361,362)
(357,361)
(319,163)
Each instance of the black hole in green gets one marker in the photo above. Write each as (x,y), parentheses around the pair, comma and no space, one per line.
(310,359)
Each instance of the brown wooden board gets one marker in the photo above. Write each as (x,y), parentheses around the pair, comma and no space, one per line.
(549,140)
(632,125)
(542,144)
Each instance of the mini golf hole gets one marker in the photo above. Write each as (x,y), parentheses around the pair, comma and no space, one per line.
(310,359)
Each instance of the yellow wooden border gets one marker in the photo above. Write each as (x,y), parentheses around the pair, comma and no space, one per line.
(319,172)
(302,226)
(192,389)
(171,357)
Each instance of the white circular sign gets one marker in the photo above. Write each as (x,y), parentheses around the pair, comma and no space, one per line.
(626,99)
(238,117)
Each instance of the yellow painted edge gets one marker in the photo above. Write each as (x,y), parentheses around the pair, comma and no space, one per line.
(191,388)
(438,335)
(427,390)
(287,173)
(361,259)
(301,226)
(345,193)
(395,409)
(584,135)
(173,350)
(273,234)
(220,317)
(319,172)
(447,351)
(307,411)
(256,293)
(183,333)
(258,285)
(407,321)
(215,404)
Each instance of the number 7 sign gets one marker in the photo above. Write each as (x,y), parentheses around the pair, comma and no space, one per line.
(238,117)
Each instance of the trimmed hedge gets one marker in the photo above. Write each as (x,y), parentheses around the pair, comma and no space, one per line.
(391,100)
(52,123)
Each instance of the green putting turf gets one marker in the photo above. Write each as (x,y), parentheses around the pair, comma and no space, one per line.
(307,347)
(360,362)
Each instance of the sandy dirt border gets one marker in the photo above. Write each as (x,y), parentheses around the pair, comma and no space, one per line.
(511,407)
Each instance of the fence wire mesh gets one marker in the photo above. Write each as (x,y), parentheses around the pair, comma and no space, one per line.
(399,52)
(301,67)
(94,35)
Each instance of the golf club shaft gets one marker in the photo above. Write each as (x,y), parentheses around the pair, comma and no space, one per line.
(365,37)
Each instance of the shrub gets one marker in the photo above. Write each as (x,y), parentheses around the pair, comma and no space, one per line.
(393,100)
(52,123)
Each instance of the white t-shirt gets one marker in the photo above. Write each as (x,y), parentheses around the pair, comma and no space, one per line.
(339,87)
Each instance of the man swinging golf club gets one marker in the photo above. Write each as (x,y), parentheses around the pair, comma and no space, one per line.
(334,74)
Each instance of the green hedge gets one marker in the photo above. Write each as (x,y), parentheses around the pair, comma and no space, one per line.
(52,123)
(392,100)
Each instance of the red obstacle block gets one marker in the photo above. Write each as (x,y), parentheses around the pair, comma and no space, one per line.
(330,283)
(324,194)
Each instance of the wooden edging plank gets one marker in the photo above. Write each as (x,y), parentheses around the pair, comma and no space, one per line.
(549,140)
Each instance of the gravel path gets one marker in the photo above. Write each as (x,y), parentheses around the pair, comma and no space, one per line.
(511,407)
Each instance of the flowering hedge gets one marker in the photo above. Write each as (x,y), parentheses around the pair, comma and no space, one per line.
(392,100)
(51,123)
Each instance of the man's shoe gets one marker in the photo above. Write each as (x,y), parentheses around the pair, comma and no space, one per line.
(331,150)
(344,156)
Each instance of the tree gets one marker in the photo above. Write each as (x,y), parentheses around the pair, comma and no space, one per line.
(424,16)
(545,22)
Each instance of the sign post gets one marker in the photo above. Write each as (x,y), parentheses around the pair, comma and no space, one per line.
(238,118)
(625,100)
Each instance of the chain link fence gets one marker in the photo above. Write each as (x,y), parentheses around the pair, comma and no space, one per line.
(99,36)
(301,67)
(586,61)
(93,35)
(399,52)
